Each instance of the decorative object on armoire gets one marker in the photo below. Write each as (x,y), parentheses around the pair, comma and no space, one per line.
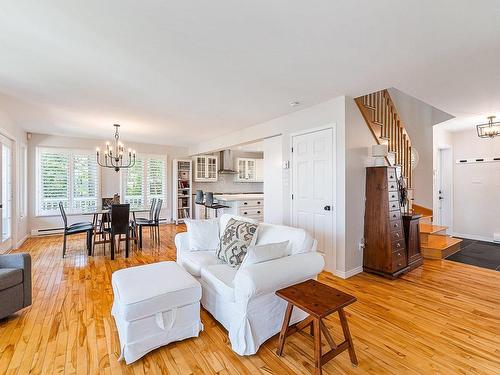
(411,225)
(113,155)
(403,195)
(385,249)
(379,153)
(489,130)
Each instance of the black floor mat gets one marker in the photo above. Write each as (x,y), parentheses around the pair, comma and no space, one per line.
(478,253)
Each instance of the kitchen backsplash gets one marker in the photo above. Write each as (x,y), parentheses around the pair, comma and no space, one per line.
(226,184)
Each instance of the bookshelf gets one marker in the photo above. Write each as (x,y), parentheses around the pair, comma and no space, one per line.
(182,190)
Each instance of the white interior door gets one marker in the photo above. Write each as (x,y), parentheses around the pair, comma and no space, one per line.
(6,194)
(313,189)
(445,188)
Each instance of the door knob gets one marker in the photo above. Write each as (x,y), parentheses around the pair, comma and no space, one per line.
(327,208)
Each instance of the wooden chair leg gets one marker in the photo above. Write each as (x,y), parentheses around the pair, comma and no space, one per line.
(64,245)
(317,346)
(127,244)
(284,328)
(112,247)
(347,335)
(140,237)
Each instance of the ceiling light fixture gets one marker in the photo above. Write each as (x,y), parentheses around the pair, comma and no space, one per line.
(489,130)
(113,156)
(294,104)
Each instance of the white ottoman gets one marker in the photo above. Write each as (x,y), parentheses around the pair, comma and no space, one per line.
(154,305)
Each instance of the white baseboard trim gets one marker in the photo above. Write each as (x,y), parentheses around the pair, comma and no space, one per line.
(350,273)
(21,241)
(472,237)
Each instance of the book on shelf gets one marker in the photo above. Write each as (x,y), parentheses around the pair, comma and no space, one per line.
(183,213)
(183,184)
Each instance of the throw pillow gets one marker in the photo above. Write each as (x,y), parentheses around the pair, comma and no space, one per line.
(203,234)
(263,253)
(235,241)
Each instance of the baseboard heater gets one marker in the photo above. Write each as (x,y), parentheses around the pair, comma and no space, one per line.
(46,231)
(496,237)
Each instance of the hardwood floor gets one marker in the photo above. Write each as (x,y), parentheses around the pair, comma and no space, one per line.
(443,318)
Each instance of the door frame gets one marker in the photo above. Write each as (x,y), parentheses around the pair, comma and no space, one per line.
(13,208)
(439,176)
(330,264)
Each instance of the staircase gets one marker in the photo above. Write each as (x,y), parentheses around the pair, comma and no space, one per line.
(386,126)
(435,243)
(382,119)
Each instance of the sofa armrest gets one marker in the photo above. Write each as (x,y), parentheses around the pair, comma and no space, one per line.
(181,243)
(22,261)
(268,277)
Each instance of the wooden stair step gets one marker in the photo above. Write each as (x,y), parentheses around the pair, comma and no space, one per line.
(440,247)
(432,229)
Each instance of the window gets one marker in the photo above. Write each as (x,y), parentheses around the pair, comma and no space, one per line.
(68,176)
(144,181)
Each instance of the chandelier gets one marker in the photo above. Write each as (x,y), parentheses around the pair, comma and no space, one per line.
(113,156)
(489,130)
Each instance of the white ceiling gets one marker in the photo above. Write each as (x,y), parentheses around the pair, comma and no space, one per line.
(180,72)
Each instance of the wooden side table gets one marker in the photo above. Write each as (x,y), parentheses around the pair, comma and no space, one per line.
(319,301)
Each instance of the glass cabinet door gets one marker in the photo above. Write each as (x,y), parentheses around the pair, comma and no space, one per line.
(200,167)
(212,168)
(251,169)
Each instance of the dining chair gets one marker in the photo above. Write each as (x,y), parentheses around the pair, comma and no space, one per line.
(210,203)
(120,224)
(76,228)
(153,224)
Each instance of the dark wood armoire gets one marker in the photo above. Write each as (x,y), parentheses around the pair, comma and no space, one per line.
(386,250)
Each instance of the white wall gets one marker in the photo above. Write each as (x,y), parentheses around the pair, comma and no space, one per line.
(358,142)
(327,113)
(9,129)
(110,180)
(273,176)
(476,206)
(419,119)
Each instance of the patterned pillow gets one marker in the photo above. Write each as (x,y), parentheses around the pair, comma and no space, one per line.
(235,241)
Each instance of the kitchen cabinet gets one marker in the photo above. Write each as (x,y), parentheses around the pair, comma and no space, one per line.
(205,168)
(249,170)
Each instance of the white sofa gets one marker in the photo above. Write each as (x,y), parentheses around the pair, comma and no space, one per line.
(244,301)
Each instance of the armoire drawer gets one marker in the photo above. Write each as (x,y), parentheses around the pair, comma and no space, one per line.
(391,175)
(396,225)
(397,235)
(398,260)
(392,186)
(394,215)
(393,196)
(398,245)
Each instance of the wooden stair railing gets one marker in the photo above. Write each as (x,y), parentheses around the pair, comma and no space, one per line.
(383,120)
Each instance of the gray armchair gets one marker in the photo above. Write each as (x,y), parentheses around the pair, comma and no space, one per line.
(15,283)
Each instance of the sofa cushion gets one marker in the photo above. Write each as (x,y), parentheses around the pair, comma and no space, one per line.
(263,253)
(203,234)
(234,243)
(146,290)
(194,261)
(220,278)
(299,240)
(224,219)
(10,277)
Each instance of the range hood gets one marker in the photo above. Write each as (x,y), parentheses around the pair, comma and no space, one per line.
(226,162)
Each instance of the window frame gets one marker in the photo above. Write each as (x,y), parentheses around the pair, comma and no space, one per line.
(145,157)
(71,152)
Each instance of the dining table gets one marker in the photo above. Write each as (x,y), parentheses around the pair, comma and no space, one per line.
(95,212)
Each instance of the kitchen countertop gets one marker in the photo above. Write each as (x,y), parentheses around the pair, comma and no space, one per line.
(238,197)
